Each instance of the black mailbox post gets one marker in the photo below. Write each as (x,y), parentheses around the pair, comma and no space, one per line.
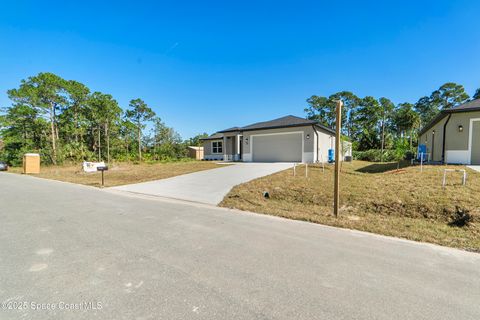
(102,169)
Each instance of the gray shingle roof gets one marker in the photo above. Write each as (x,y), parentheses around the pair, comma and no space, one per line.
(232,129)
(214,136)
(283,122)
(473,105)
(288,121)
(469,106)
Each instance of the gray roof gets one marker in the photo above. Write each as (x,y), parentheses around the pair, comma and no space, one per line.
(287,121)
(214,136)
(283,122)
(473,105)
(470,106)
(232,129)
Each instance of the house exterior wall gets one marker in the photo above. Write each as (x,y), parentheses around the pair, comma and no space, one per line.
(230,145)
(207,151)
(316,143)
(433,142)
(326,141)
(457,144)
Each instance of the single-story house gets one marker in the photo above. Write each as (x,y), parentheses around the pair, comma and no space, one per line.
(454,135)
(286,139)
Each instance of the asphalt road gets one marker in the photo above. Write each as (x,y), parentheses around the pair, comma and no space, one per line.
(63,245)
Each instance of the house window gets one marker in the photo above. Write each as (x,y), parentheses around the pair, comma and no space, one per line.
(217,147)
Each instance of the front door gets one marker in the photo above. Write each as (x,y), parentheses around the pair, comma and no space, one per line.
(475,142)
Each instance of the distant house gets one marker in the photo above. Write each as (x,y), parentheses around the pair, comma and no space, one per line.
(454,135)
(286,139)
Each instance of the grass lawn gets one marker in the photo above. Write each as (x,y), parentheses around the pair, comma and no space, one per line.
(122,173)
(375,197)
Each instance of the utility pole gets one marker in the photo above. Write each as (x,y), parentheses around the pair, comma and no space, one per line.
(338,138)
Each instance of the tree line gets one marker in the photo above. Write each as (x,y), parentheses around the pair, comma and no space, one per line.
(64,121)
(371,123)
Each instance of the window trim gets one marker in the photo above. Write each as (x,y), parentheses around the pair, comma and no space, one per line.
(217,147)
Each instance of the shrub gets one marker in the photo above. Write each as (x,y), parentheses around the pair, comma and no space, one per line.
(375,155)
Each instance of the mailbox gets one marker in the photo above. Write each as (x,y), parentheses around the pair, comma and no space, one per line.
(102,169)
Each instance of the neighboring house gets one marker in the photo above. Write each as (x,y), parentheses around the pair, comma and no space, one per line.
(195,152)
(286,139)
(454,135)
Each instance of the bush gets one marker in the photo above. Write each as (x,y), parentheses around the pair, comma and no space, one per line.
(375,155)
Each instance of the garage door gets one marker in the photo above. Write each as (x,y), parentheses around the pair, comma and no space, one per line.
(277,148)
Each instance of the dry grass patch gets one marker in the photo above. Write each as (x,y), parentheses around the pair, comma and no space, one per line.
(122,173)
(375,197)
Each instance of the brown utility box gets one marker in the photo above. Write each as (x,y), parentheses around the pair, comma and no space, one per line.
(31,163)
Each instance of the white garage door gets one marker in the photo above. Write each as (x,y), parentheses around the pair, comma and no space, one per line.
(277,148)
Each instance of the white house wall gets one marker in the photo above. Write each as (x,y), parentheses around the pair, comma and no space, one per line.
(326,141)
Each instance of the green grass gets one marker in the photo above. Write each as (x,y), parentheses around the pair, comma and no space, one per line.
(375,197)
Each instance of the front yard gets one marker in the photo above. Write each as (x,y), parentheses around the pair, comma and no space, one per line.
(122,173)
(375,197)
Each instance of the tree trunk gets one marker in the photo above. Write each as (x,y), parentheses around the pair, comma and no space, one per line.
(127,156)
(383,136)
(52,129)
(411,134)
(75,119)
(107,136)
(139,143)
(99,145)
(56,125)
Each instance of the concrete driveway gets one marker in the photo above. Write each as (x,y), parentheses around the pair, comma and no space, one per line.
(474,167)
(133,258)
(209,186)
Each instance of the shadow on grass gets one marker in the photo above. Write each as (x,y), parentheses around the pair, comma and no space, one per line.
(383,167)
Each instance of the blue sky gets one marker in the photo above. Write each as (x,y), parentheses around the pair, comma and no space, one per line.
(210,65)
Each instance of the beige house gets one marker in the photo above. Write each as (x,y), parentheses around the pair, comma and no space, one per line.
(286,139)
(454,135)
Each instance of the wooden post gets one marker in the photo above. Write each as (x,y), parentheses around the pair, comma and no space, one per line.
(338,138)
(421,161)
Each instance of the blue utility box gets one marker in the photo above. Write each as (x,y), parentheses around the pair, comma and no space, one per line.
(331,156)
(422,152)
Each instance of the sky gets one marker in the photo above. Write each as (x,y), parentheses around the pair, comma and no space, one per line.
(204,66)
